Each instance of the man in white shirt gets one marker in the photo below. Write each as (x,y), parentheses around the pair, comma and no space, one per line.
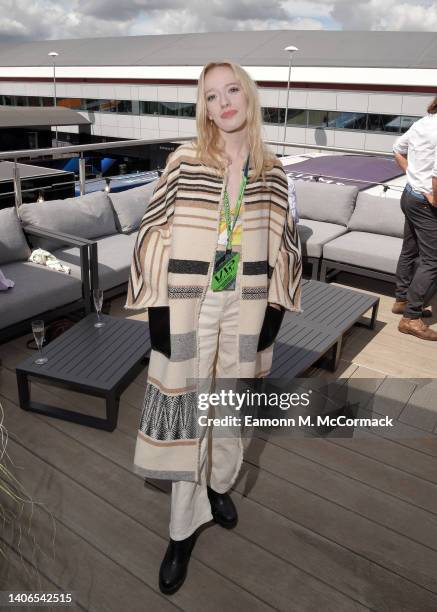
(416,153)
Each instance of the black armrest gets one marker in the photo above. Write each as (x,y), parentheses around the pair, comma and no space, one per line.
(88,253)
(44,232)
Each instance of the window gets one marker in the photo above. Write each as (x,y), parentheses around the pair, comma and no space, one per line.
(168,109)
(34,101)
(149,108)
(383,123)
(124,106)
(347,121)
(69,102)
(270,114)
(187,109)
(91,105)
(296,116)
(317,118)
(407,122)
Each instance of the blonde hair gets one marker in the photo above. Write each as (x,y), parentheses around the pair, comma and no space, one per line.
(208,146)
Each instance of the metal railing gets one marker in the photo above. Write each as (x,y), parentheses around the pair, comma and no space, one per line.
(27,154)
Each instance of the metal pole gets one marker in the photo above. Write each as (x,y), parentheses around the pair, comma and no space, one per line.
(82,174)
(54,97)
(286,105)
(17,187)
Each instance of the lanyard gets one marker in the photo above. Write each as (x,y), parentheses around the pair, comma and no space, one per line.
(230,225)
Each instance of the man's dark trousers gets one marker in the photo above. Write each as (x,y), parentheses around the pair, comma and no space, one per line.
(419,248)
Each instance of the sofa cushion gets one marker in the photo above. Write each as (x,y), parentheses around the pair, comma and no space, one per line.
(13,245)
(130,205)
(378,216)
(325,202)
(314,234)
(86,216)
(37,290)
(373,251)
(114,256)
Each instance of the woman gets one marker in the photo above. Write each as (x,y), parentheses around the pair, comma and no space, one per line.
(216,263)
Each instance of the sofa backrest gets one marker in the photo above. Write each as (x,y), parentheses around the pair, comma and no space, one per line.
(325,201)
(377,215)
(13,245)
(130,205)
(87,216)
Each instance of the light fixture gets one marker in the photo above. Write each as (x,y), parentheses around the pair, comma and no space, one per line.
(40,197)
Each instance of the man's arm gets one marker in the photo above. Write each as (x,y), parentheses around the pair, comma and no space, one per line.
(401,160)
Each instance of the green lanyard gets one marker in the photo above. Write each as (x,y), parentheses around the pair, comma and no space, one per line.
(230,225)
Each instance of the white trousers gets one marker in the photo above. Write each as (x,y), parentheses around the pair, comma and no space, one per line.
(220,457)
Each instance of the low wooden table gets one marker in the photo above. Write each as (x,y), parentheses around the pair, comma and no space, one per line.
(97,361)
(327,313)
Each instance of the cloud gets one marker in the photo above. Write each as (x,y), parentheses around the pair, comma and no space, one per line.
(55,19)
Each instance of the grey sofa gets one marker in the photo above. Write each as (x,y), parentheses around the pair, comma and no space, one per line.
(343,229)
(324,211)
(39,292)
(111,221)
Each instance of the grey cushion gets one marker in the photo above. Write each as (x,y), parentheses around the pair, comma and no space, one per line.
(13,245)
(86,216)
(378,216)
(114,255)
(130,205)
(373,251)
(325,202)
(37,290)
(314,234)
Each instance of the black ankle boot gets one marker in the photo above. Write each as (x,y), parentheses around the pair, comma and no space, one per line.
(223,509)
(175,563)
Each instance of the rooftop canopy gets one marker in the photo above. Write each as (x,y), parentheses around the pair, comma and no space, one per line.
(35,116)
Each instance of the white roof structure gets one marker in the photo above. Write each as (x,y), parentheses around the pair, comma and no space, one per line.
(381,58)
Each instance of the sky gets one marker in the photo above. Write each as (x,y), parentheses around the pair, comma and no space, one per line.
(24,20)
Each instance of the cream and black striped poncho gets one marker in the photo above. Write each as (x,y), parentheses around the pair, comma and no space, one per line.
(172,265)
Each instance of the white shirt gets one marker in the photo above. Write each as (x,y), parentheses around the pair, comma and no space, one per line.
(420,144)
(292,199)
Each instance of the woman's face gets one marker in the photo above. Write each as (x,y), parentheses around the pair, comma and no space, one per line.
(226,103)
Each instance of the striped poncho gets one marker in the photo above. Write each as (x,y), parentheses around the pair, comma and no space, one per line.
(171,268)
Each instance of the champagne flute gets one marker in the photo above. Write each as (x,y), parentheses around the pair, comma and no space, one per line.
(38,334)
(98,303)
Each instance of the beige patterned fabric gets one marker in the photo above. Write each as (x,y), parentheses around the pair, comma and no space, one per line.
(172,266)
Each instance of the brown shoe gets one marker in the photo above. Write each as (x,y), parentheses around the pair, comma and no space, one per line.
(416,327)
(399,308)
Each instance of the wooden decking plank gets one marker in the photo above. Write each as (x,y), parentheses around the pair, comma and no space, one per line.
(18,574)
(99,580)
(116,535)
(125,488)
(360,509)
(377,544)
(370,584)
(391,543)
(421,409)
(379,463)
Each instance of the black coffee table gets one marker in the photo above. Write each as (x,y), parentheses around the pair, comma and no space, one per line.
(100,362)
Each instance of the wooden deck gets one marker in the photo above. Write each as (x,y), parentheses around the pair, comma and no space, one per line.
(337,524)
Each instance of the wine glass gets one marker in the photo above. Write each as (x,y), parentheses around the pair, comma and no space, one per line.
(98,303)
(38,334)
